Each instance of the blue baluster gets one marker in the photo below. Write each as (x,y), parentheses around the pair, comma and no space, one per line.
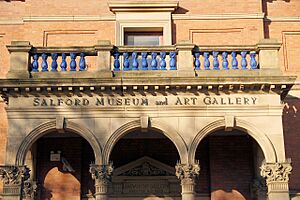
(244,61)
(116,61)
(162,63)
(44,62)
(144,61)
(135,63)
(234,61)
(253,62)
(225,61)
(206,61)
(82,64)
(54,62)
(216,61)
(153,61)
(63,64)
(126,61)
(73,62)
(197,61)
(173,60)
(35,63)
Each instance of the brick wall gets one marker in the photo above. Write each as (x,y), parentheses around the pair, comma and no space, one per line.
(291,128)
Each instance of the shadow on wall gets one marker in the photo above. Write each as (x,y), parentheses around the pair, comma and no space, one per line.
(267,22)
(224,195)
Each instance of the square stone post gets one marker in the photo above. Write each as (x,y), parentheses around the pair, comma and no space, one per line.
(277,179)
(268,54)
(103,49)
(102,176)
(187,174)
(19,59)
(185,58)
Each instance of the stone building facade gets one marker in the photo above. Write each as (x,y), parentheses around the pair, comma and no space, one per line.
(149,100)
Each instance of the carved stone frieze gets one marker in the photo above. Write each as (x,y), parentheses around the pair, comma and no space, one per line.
(146,169)
(276,172)
(101,173)
(187,171)
(14,175)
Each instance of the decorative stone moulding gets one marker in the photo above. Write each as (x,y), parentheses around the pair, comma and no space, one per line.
(142,6)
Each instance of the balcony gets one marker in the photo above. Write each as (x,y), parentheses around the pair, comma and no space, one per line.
(181,65)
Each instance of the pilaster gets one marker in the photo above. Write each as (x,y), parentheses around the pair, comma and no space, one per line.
(277,178)
(102,176)
(187,174)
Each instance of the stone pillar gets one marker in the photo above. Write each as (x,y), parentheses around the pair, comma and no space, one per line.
(268,54)
(13,178)
(103,48)
(19,59)
(277,178)
(187,174)
(185,59)
(102,176)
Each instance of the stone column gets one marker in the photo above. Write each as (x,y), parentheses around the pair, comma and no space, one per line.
(187,174)
(102,176)
(13,178)
(277,178)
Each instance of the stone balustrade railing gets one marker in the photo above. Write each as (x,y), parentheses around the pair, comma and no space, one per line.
(226,58)
(25,60)
(144,58)
(62,59)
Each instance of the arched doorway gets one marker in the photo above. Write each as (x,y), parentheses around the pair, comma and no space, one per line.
(60,166)
(144,166)
(230,166)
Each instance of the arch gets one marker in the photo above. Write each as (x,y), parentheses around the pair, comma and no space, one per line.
(260,137)
(47,127)
(169,132)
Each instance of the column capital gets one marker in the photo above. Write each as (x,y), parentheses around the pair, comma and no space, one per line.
(276,172)
(14,175)
(101,172)
(184,171)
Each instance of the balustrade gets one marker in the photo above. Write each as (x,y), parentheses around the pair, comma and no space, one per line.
(225,60)
(126,58)
(106,57)
(46,61)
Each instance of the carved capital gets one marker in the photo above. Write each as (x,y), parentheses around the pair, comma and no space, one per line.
(101,173)
(276,172)
(29,189)
(14,175)
(187,171)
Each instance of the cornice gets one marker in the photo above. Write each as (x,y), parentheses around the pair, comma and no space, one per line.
(68,18)
(142,6)
(218,16)
(283,18)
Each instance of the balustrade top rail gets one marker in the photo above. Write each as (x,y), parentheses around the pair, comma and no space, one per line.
(106,57)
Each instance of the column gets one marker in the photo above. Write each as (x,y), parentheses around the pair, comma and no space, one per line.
(187,174)
(277,178)
(13,178)
(102,176)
